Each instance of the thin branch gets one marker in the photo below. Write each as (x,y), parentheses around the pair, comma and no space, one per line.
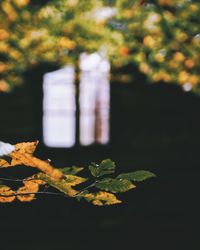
(85,188)
(31,193)
(8,179)
(18,180)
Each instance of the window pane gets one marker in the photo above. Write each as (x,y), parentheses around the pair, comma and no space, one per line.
(59,108)
(94,99)
(59,130)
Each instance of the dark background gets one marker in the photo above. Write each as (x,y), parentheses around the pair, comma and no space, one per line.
(153,127)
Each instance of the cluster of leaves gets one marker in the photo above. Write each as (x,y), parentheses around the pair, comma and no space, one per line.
(56,32)
(98,189)
(161,37)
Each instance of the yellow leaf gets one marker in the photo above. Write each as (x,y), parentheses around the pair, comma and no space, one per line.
(62,185)
(4,190)
(34,179)
(29,187)
(73,180)
(26,197)
(31,161)
(23,156)
(4,163)
(26,147)
(101,198)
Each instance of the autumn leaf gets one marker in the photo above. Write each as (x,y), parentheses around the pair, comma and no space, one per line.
(29,187)
(26,147)
(66,179)
(74,180)
(4,163)
(23,155)
(34,179)
(101,198)
(63,185)
(6,191)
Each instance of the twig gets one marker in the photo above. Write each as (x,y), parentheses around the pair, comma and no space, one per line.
(18,180)
(85,188)
(30,193)
(8,179)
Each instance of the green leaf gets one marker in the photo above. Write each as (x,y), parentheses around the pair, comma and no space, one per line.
(105,167)
(115,185)
(94,169)
(107,164)
(139,175)
(71,170)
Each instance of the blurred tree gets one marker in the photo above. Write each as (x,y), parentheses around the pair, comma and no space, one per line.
(57,31)
(160,37)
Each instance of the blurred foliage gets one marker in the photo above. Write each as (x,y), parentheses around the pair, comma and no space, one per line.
(56,32)
(160,37)
(97,190)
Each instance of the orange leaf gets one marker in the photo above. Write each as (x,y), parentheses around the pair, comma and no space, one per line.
(4,190)
(26,147)
(29,187)
(4,163)
(31,161)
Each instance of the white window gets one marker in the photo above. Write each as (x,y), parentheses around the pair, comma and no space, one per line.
(94,99)
(59,103)
(59,108)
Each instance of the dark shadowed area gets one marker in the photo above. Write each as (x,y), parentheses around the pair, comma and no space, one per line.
(155,128)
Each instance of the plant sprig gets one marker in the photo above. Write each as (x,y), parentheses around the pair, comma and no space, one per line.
(100,188)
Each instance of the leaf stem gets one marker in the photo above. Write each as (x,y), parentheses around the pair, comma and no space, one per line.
(30,193)
(85,188)
(9,179)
